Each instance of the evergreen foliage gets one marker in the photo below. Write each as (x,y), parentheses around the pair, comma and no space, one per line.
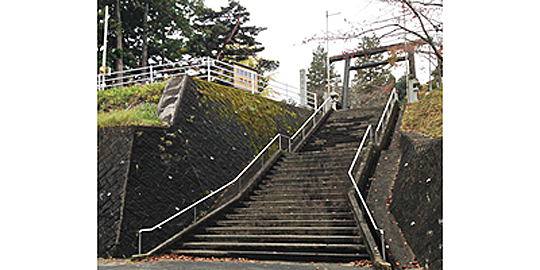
(370,79)
(165,31)
(317,74)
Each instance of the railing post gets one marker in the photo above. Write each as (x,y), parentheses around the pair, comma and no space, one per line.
(383,247)
(252,83)
(151,75)
(140,242)
(208,67)
(290,145)
(194,214)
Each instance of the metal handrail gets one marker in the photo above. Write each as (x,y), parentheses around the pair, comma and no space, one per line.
(353,181)
(301,129)
(276,137)
(391,100)
(203,68)
(275,85)
(369,131)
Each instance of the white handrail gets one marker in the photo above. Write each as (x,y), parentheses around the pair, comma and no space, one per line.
(393,97)
(276,137)
(364,205)
(351,168)
(322,106)
(391,100)
(205,67)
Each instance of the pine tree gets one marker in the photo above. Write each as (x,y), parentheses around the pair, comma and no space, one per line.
(213,31)
(317,76)
(153,31)
(370,79)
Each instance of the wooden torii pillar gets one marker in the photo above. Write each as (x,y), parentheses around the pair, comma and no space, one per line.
(364,53)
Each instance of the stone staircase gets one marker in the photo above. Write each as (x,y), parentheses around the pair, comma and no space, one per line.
(299,210)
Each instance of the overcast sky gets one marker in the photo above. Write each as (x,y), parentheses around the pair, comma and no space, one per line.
(290,22)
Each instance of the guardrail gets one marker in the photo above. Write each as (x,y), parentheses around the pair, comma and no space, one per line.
(386,115)
(311,122)
(211,70)
(376,138)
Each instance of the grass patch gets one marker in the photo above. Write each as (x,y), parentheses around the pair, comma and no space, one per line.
(128,106)
(426,115)
(141,115)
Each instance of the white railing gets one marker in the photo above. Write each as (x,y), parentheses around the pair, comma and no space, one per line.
(310,123)
(211,70)
(376,138)
(386,115)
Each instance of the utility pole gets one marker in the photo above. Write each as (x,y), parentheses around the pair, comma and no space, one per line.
(328,52)
(103,68)
(303,88)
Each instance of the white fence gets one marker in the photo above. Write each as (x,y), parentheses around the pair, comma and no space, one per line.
(213,71)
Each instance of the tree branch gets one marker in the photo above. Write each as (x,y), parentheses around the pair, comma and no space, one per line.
(229,38)
(427,38)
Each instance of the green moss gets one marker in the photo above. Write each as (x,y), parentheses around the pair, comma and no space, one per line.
(256,114)
(135,105)
(144,114)
(426,115)
(122,98)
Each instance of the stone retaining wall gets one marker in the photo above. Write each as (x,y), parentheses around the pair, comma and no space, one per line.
(417,197)
(217,132)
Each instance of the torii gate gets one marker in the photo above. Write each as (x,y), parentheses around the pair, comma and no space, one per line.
(348,56)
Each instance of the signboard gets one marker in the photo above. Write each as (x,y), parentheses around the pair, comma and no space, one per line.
(245,78)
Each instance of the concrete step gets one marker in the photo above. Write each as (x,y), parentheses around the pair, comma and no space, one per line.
(287,222)
(279,255)
(314,164)
(328,148)
(306,230)
(331,216)
(288,189)
(341,130)
(317,155)
(250,246)
(332,145)
(357,112)
(307,174)
(298,203)
(305,184)
(334,239)
(287,168)
(298,196)
(253,209)
(303,180)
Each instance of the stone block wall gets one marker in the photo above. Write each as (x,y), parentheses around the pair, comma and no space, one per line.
(114,152)
(217,132)
(417,197)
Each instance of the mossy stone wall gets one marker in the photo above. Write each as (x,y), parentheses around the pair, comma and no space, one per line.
(417,198)
(220,129)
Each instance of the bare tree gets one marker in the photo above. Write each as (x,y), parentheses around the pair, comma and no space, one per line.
(401,19)
(420,19)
